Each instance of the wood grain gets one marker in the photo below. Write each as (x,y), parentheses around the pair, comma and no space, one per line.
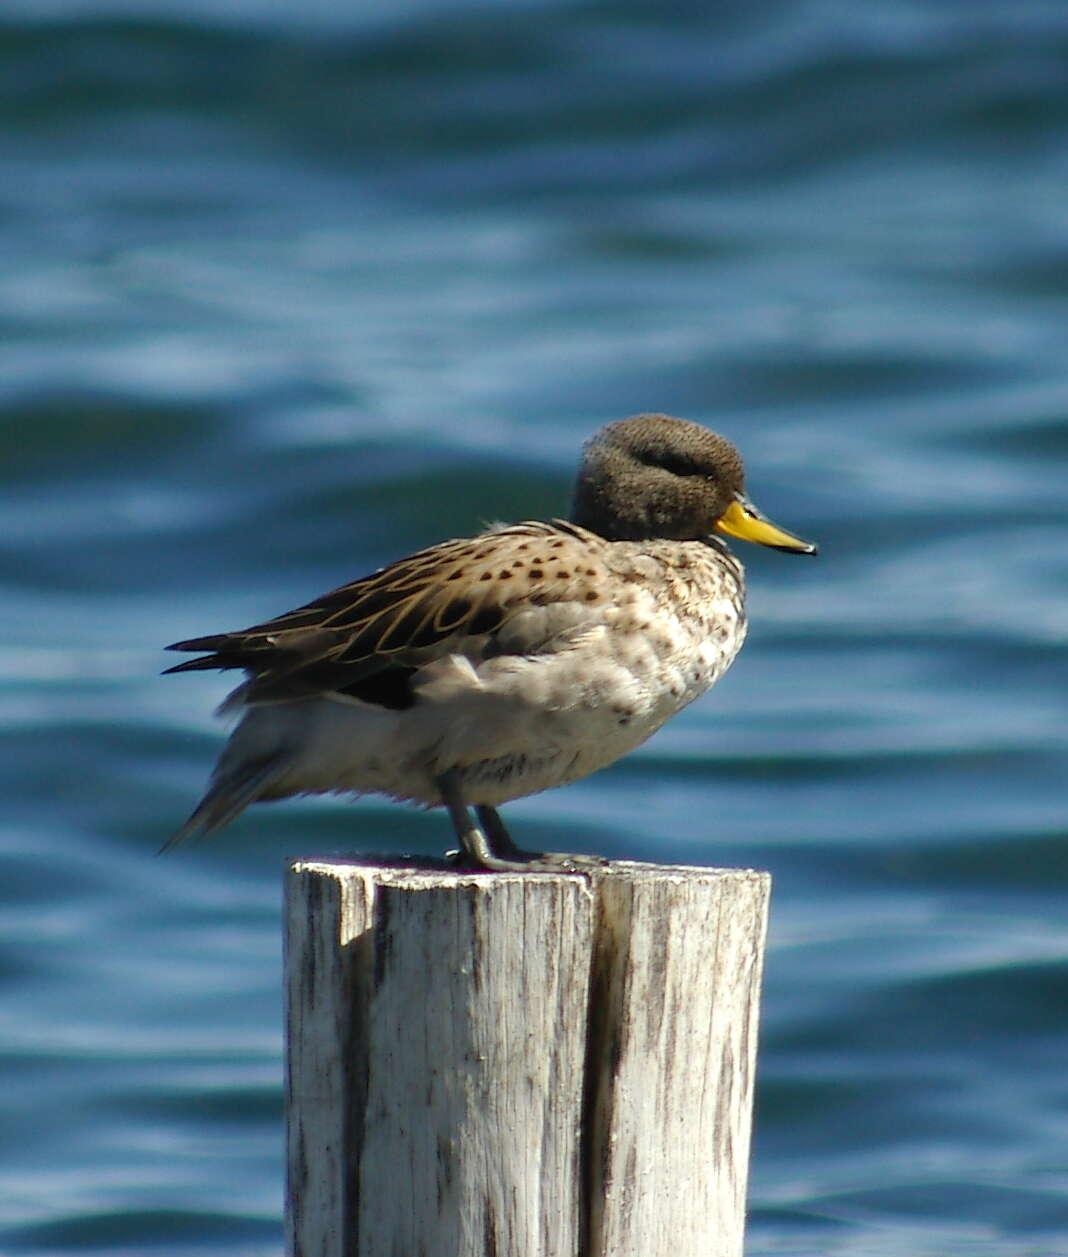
(520,1064)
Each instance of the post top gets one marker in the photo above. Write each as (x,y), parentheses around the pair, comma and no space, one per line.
(424,873)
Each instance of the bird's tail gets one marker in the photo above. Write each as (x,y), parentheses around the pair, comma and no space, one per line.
(233,787)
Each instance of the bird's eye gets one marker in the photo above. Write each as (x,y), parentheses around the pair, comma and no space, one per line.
(675,462)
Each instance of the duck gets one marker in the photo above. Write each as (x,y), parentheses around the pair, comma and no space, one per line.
(488,668)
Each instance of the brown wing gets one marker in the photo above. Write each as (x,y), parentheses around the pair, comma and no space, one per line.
(367,637)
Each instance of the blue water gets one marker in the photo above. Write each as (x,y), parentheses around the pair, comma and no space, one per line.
(284,295)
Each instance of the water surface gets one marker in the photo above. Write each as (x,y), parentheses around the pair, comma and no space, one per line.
(285,295)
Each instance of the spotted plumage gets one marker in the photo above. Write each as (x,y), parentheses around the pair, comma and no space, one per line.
(481,670)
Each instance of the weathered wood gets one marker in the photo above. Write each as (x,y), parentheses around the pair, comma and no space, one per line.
(520,1064)
(676,995)
(436,1062)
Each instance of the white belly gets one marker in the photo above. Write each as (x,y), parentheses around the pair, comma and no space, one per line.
(511,725)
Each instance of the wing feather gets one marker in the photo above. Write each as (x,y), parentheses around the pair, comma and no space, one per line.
(450,597)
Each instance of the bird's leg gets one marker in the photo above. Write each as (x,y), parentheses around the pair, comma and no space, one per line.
(476,845)
(478,841)
(534,861)
(500,839)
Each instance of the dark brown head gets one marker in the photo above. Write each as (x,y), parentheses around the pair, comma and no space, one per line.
(655,476)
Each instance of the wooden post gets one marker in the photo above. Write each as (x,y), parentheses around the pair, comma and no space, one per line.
(520,1064)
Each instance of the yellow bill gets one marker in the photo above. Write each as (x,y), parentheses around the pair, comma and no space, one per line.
(742,519)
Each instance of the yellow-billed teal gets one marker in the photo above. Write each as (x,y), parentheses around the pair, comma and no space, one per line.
(484,669)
